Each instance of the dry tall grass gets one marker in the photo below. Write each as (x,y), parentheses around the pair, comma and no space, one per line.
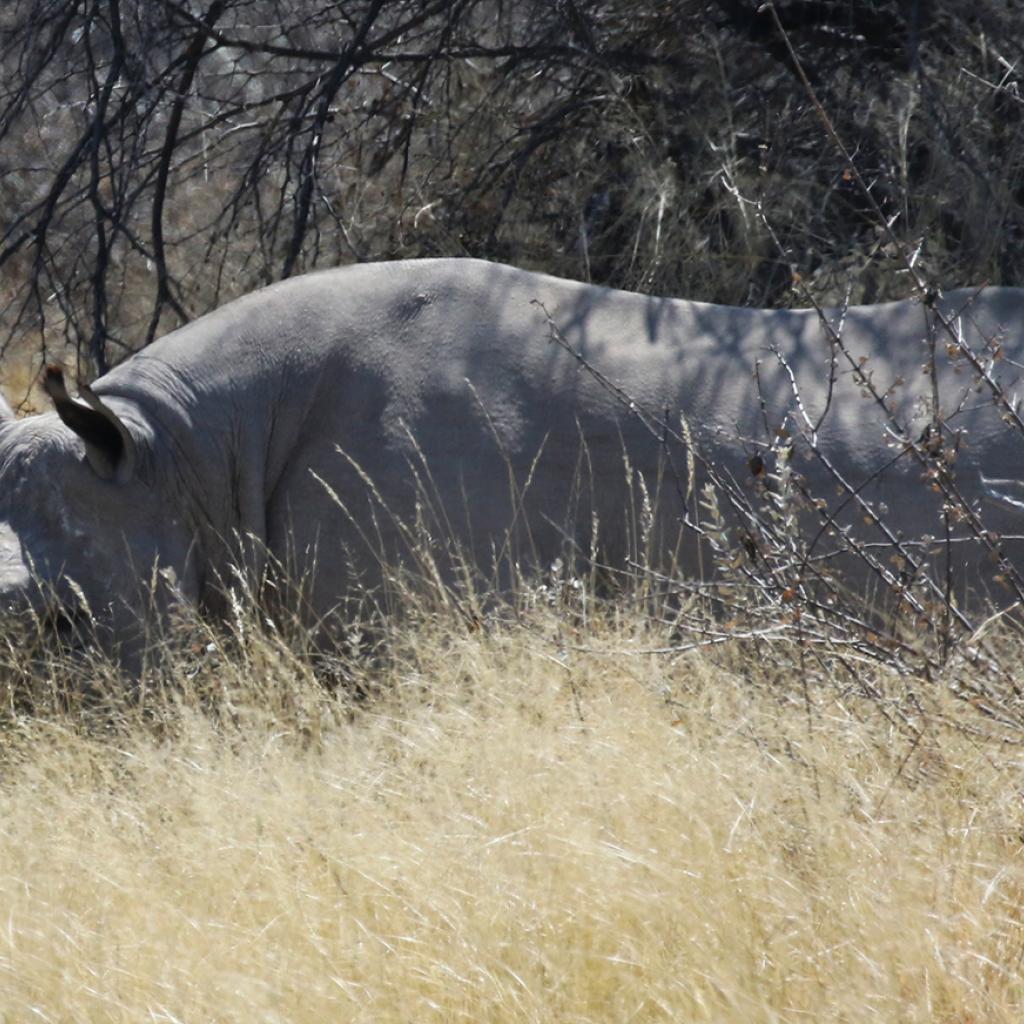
(515,830)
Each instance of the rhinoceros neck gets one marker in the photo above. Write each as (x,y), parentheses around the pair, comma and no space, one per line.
(203,439)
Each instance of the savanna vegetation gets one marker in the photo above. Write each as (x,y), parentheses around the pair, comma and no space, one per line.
(527,822)
(569,803)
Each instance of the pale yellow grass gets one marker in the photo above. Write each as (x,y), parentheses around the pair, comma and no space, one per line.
(506,838)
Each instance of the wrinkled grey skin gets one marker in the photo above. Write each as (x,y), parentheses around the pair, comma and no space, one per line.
(233,419)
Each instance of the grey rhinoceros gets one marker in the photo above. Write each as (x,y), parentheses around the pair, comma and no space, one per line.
(327,424)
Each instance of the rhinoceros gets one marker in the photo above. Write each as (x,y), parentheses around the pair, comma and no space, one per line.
(324,426)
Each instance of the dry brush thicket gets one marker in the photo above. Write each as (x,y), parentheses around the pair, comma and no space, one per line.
(159,158)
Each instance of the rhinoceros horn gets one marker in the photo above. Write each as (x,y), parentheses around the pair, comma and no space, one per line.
(108,444)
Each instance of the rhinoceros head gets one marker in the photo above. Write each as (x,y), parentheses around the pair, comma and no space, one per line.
(84,525)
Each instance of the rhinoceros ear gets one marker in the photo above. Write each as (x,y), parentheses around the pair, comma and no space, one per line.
(108,444)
